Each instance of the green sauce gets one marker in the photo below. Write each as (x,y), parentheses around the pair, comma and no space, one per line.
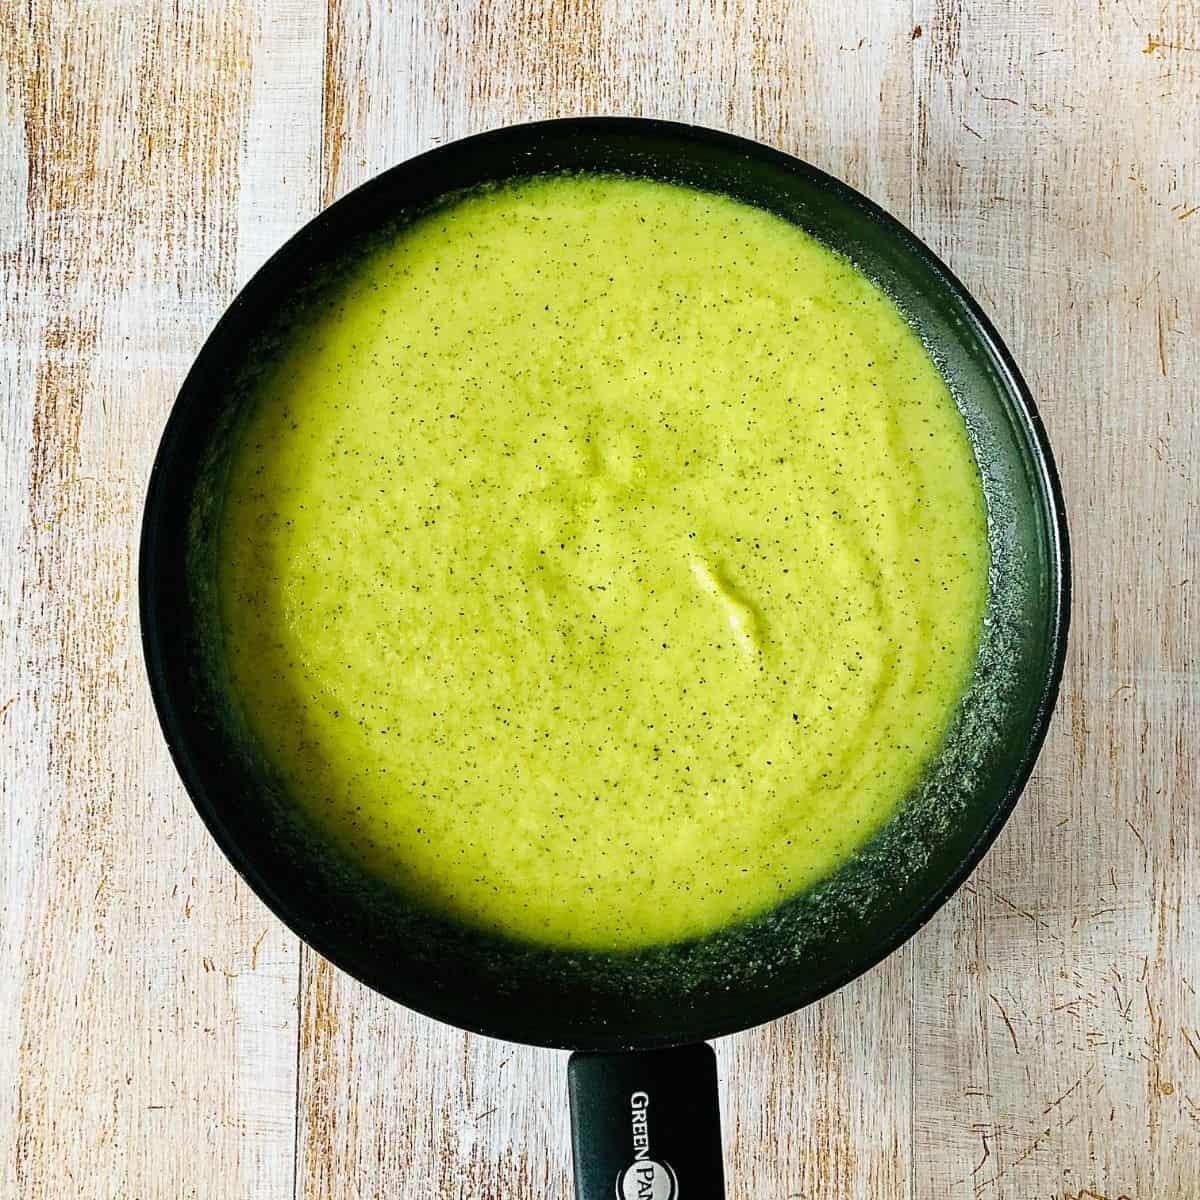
(602,562)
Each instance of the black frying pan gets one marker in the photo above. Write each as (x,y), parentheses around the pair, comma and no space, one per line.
(644,1089)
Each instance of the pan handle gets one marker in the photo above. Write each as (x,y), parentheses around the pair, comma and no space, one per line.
(646,1125)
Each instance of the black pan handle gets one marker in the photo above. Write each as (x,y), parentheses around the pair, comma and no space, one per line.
(646,1125)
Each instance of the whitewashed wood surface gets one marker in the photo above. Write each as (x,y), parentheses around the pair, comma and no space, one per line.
(161,1035)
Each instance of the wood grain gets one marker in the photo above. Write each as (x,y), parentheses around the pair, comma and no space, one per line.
(1055,994)
(160,1034)
(148,1024)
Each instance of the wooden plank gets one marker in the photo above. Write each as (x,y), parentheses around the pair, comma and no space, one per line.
(147,1020)
(812,1103)
(1056,1012)
(278,190)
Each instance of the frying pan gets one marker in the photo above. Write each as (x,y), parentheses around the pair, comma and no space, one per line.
(642,1080)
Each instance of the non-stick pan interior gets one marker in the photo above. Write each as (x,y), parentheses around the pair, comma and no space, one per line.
(745,974)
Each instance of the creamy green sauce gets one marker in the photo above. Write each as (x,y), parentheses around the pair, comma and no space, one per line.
(602,562)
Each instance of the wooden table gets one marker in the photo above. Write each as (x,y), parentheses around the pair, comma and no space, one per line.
(161,1035)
